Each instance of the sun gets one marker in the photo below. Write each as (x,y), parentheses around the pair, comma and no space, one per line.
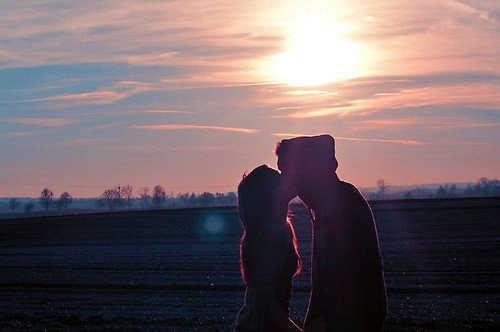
(316,53)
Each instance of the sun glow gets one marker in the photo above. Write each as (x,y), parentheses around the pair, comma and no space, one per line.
(317,52)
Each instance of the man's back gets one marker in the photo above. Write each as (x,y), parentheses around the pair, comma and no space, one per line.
(348,282)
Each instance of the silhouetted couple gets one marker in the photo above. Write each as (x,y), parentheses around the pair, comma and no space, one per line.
(348,289)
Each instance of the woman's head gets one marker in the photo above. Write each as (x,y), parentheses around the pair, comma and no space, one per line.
(262,197)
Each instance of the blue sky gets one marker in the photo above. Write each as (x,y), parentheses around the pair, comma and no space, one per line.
(191,95)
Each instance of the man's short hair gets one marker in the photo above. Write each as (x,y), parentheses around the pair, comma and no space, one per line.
(306,152)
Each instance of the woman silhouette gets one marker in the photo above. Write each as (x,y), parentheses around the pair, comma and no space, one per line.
(269,257)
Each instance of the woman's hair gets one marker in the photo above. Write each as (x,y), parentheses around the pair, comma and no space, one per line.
(258,205)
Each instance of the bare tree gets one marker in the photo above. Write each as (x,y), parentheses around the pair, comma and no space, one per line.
(65,199)
(46,197)
(383,188)
(144,195)
(127,194)
(112,197)
(159,196)
(14,204)
(28,207)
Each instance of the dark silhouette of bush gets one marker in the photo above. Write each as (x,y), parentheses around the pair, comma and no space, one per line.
(65,199)
(14,204)
(28,207)
(483,187)
(159,196)
(46,197)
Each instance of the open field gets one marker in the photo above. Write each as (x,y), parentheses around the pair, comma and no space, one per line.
(179,269)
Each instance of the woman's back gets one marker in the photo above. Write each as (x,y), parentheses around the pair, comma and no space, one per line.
(274,263)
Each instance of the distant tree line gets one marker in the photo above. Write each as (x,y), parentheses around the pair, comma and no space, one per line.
(119,198)
(484,187)
(127,198)
(46,201)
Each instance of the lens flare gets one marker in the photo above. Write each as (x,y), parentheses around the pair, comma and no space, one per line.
(212,227)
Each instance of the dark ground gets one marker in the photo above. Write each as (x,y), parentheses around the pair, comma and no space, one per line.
(180,269)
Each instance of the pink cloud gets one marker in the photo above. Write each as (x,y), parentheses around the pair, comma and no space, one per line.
(376,140)
(397,141)
(21,133)
(478,95)
(467,9)
(43,122)
(89,98)
(198,127)
(169,111)
(110,95)
(79,142)
(435,123)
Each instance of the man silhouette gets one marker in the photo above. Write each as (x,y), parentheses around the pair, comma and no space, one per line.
(348,287)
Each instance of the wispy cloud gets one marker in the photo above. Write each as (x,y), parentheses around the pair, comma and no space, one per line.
(385,123)
(168,112)
(21,133)
(110,95)
(196,127)
(378,94)
(89,98)
(376,140)
(468,9)
(110,145)
(321,112)
(397,141)
(78,142)
(427,123)
(43,122)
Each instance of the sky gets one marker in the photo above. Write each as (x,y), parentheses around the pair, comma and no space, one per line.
(191,94)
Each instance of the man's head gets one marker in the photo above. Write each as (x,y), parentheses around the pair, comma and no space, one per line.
(307,158)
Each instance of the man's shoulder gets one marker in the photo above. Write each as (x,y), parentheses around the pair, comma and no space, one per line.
(349,188)
(351,193)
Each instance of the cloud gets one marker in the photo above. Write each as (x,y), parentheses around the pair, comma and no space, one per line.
(117,92)
(366,95)
(428,122)
(376,140)
(168,112)
(21,133)
(468,9)
(88,98)
(340,109)
(202,37)
(384,123)
(43,122)
(196,127)
(78,142)
(397,141)
(147,148)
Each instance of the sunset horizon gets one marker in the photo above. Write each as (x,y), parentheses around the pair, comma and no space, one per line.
(192,95)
